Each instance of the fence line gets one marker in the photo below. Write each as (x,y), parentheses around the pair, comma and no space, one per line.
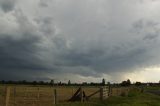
(36,95)
(20,95)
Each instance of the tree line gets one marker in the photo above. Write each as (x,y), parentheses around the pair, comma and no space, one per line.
(69,83)
(52,83)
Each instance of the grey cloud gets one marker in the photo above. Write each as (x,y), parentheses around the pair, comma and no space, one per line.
(20,51)
(44,3)
(19,57)
(101,57)
(149,29)
(7,5)
(84,41)
(97,60)
(46,25)
(151,36)
(143,1)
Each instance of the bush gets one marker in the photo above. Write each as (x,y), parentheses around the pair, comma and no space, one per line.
(138,83)
(126,83)
(134,92)
(123,94)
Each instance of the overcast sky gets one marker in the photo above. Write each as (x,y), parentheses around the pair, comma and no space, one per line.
(80,40)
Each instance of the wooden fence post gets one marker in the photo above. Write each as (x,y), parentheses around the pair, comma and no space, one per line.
(109,90)
(14,95)
(25,96)
(38,100)
(38,93)
(55,96)
(101,93)
(81,94)
(72,91)
(7,95)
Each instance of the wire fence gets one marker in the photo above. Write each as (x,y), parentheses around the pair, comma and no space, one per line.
(49,96)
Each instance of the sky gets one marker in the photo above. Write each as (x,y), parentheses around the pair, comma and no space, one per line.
(80,40)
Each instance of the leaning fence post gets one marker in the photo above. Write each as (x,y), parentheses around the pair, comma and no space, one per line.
(7,95)
(101,93)
(55,96)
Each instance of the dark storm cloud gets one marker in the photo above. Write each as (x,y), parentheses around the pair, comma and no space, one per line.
(109,57)
(19,51)
(7,5)
(86,38)
(19,57)
(22,58)
(99,61)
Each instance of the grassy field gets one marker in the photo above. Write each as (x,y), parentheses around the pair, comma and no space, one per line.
(152,88)
(43,96)
(134,98)
(21,95)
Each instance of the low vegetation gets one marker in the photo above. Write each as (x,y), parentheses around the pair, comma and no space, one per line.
(134,98)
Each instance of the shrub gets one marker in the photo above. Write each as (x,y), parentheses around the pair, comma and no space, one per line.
(123,94)
(134,92)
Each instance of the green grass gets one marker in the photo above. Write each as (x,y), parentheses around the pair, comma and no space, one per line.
(134,98)
(152,88)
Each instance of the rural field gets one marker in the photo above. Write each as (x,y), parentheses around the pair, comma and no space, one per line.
(22,95)
(134,98)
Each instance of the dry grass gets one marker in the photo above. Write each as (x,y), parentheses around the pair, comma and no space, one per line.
(40,96)
(120,91)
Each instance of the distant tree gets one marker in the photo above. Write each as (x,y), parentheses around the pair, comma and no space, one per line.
(108,83)
(138,83)
(24,82)
(3,81)
(126,83)
(41,82)
(34,83)
(69,82)
(47,83)
(84,83)
(60,83)
(103,81)
(10,82)
(52,82)
(92,84)
(150,84)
